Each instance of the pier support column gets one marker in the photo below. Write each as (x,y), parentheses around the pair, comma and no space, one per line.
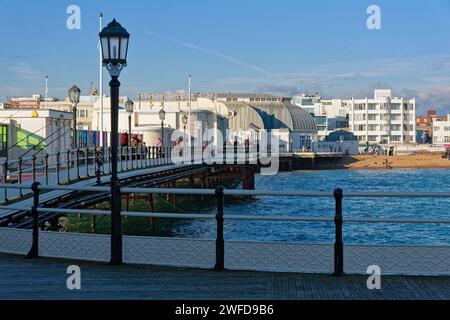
(248,180)
(173,185)
(151,208)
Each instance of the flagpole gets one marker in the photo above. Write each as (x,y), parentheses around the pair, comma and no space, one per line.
(46,91)
(189,116)
(101,86)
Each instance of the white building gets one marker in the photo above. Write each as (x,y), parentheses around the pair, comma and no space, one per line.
(85,110)
(441,132)
(240,115)
(383,120)
(329,114)
(48,131)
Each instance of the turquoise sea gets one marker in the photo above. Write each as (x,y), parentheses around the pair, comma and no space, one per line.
(399,180)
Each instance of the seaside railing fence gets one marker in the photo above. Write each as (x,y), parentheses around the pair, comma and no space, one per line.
(430,260)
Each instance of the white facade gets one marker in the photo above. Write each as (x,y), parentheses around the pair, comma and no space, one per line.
(441,132)
(329,114)
(85,110)
(383,120)
(50,130)
(345,147)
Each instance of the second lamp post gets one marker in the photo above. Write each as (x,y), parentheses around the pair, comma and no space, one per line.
(129,105)
(162,117)
(74,97)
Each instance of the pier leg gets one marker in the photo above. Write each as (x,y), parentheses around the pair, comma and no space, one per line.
(248,181)
(174,200)
(94,220)
(151,208)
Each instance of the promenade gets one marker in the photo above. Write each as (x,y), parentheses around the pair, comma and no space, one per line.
(46,279)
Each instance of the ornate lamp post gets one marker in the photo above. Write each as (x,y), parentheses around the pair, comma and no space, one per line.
(129,105)
(114,40)
(162,117)
(74,97)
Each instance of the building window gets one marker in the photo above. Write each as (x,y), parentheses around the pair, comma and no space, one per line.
(83,113)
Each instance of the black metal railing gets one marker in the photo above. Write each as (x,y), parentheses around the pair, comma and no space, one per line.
(220,193)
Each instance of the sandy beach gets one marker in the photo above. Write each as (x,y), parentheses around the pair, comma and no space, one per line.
(415,161)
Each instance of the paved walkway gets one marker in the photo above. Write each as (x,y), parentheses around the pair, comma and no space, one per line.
(46,279)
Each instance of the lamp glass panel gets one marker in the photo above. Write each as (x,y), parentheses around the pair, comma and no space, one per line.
(105,49)
(114,48)
(123,48)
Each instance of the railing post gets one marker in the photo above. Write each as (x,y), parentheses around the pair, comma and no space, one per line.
(46,168)
(220,243)
(34,251)
(338,244)
(68,165)
(78,163)
(87,162)
(33,162)
(98,162)
(20,175)
(58,165)
(5,178)
(153,155)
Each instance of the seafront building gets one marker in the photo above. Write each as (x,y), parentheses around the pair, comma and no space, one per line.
(441,131)
(383,120)
(238,116)
(299,122)
(329,114)
(34,131)
(424,126)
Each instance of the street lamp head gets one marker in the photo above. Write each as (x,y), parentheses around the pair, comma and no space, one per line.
(74,94)
(129,106)
(114,41)
(184,119)
(162,115)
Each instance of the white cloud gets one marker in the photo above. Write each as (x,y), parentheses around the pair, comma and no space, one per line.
(23,71)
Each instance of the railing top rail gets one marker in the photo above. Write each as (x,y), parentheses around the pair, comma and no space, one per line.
(396,194)
(237,192)
(210,216)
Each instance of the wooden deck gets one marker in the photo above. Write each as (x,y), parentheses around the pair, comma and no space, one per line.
(21,278)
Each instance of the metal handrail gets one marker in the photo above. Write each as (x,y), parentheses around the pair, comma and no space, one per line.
(230,192)
(231,217)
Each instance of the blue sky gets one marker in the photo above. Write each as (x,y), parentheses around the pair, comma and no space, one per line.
(284,47)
